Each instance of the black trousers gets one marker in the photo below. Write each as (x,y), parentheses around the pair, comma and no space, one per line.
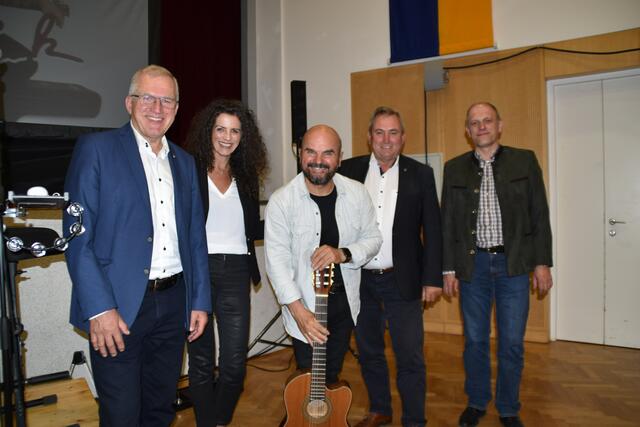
(340,325)
(138,386)
(215,401)
(382,306)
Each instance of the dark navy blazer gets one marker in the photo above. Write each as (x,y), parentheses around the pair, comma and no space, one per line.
(417,234)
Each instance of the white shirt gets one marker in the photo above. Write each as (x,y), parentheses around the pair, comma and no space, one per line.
(292,232)
(165,258)
(383,190)
(225,221)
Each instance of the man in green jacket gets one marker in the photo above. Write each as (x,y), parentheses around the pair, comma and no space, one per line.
(495,222)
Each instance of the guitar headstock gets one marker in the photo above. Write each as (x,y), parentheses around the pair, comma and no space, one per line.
(323,280)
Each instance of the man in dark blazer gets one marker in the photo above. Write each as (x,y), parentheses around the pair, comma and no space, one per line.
(139,271)
(496,232)
(406,271)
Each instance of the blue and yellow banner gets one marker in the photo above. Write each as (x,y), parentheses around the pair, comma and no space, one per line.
(428,28)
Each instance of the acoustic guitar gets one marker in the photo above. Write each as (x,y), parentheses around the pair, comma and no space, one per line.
(309,402)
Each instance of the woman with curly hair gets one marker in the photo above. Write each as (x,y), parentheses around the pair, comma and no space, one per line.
(231,159)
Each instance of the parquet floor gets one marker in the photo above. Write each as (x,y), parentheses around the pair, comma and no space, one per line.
(75,405)
(564,384)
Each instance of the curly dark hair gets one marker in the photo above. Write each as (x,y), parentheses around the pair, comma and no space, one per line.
(248,162)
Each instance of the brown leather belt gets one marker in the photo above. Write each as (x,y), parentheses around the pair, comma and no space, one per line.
(492,249)
(157,285)
(378,271)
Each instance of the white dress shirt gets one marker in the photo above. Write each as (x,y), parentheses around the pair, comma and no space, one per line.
(383,190)
(165,258)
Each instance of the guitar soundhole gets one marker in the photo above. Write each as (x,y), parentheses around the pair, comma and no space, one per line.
(317,410)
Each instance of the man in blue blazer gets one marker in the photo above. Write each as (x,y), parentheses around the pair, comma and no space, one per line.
(139,271)
(405,273)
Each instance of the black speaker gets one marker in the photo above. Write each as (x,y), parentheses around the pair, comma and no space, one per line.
(298,115)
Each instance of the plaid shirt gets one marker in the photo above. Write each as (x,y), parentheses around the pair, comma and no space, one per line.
(489,224)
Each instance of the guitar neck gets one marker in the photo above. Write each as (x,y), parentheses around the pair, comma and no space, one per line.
(319,355)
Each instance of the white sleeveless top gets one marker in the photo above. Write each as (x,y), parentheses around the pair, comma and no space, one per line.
(225,221)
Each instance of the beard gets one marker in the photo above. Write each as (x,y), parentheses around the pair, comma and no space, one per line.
(318,180)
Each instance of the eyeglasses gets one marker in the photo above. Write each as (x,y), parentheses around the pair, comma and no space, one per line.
(150,100)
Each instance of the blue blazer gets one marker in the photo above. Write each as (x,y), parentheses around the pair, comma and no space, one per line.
(109,264)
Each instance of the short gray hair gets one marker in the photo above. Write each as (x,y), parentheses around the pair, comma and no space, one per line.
(385,111)
(153,71)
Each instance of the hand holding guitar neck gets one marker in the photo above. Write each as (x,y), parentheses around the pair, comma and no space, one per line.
(325,255)
(312,330)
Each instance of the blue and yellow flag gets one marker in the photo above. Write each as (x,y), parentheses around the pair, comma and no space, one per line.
(427,28)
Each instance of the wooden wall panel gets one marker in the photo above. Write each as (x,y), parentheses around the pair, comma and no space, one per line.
(559,64)
(518,88)
(401,88)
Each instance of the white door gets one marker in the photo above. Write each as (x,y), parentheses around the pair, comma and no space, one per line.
(594,138)
(621,105)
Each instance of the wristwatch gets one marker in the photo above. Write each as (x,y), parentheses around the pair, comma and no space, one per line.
(347,255)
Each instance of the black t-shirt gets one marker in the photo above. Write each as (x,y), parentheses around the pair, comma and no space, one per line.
(329,233)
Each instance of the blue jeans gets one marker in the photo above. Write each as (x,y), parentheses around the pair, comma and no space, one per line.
(490,283)
(382,305)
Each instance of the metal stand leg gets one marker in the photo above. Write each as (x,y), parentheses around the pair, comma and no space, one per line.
(259,339)
(11,349)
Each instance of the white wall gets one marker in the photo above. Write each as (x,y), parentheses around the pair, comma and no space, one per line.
(324,42)
(265,93)
(519,23)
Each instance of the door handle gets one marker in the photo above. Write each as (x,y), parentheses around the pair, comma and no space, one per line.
(615,221)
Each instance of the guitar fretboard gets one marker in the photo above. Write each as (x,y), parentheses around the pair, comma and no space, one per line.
(319,358)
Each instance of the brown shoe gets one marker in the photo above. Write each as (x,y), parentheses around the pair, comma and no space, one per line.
(374,419)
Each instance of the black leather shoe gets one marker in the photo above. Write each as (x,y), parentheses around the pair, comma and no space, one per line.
(470,417)
(511,421)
